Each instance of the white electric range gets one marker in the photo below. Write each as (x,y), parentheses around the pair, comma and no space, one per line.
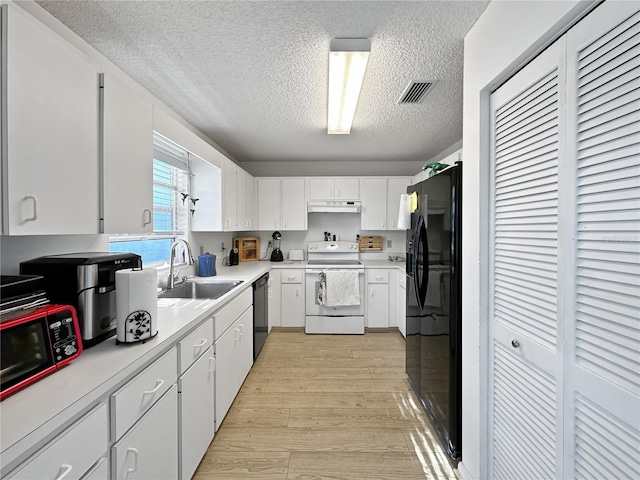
(342,260)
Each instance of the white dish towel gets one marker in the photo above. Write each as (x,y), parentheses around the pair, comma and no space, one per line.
(342,288)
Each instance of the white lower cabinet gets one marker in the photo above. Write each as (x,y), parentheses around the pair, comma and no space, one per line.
(149,451)
(377,303)
(275,300)
(196,398)
(292,298)
(234,358)
(72,453)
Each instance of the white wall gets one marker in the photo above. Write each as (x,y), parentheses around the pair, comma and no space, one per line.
(345,225)
(505,36)
(14,250)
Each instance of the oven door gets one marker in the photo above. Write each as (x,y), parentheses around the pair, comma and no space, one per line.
(313,307)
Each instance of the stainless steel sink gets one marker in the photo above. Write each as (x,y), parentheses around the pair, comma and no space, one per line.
(211,290)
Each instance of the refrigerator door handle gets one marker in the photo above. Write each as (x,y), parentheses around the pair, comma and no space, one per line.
(422,256)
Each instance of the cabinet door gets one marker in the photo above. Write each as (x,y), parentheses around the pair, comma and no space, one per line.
(196,405)
(378,305)
(234,357)
(51,144)
(229,189)
(241,200)
(374,204)
(275,300)
(269,204)
(150,449)
(292,305)
(347,188)
(294,206)
(252,207)
(321,188)
(206,186)
(127,163)
(395,188)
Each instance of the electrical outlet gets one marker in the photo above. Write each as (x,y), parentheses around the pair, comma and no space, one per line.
(389,242)
(222,246)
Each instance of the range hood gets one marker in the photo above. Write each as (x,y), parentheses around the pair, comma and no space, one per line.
(330,206)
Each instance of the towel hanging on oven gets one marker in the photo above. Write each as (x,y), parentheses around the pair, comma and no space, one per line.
(322,289)
(342,288)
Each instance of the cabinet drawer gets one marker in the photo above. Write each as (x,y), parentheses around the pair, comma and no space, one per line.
(195,344)
(149,451)
(137,396)
(225,317)
(292,276)
(378,276)
(73,451)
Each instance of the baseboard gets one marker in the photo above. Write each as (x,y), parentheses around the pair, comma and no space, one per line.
(381,330)
(287,329)
(463,472)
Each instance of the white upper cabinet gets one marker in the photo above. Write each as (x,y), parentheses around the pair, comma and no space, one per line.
(206,186)
(374,204)
(127,162)
(239,209)
(50,137)
(269,200)
(229,188)
(347,188)
(294,206)
(395,188)
(251,204)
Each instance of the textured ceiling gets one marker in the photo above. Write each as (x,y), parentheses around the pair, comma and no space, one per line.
(252,75)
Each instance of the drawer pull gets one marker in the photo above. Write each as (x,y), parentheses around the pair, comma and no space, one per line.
(159,384)
(291,277)
(201,344)
(241,327)
(379,278)
(135,461)
(515,343)
(64,471)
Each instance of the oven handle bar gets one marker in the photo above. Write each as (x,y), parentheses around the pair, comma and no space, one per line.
(321,270)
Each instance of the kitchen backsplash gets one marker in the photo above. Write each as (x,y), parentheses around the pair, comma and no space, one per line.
(345,226)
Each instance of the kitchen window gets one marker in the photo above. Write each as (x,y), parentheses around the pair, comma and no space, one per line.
(171,204)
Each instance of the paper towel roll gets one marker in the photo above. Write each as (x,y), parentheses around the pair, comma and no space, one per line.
(136,304)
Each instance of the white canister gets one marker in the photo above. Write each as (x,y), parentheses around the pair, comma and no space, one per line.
(136,305)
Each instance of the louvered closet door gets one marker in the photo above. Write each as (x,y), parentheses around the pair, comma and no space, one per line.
(525,351)
(602,400)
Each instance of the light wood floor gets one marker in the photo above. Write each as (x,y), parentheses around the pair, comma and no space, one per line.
(326,407)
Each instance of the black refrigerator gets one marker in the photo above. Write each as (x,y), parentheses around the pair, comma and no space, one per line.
(434,310)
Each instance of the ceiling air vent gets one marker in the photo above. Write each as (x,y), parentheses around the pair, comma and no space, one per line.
(415,92)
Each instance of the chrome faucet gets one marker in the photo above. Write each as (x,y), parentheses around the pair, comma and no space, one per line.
(172,277)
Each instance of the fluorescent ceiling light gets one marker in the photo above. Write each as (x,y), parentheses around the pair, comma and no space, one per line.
(348,59)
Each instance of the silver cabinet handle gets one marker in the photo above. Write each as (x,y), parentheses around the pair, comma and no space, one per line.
(35,208)
(159,384)
(241,327)
(135,461)
(212,364)
(201,344)
(515,343)
(146,217)
(64,471)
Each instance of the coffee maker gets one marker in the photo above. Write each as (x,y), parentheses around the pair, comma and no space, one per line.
(276,254)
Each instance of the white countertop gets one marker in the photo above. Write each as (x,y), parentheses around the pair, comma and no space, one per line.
(33,416)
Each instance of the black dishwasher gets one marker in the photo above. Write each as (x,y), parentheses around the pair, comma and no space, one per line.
(260,313)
